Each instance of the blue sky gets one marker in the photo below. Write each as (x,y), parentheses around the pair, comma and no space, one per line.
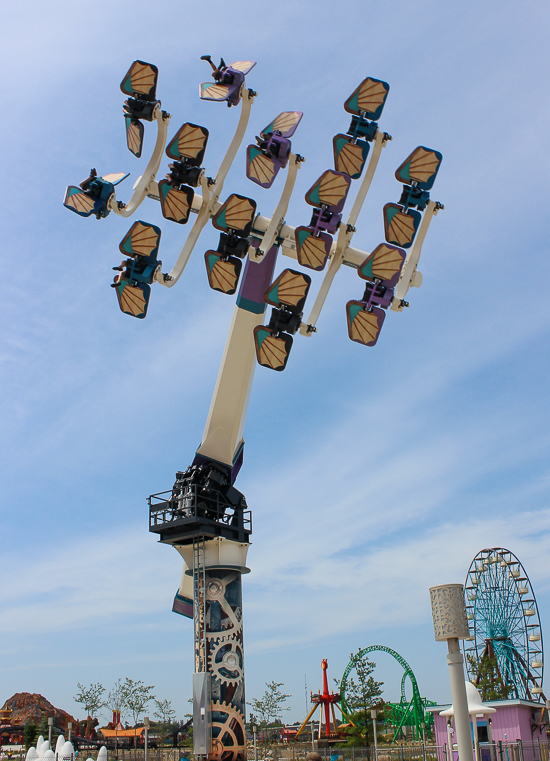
(372,473)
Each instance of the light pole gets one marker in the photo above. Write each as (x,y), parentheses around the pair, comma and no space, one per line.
(255,732)
(423,725)
(70,727)
(373,713)
(146,732)
(50,727)
(451,624)
(449,739)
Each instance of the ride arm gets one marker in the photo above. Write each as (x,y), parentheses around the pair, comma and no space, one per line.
(142,188)
(409,274)
(276,222)
(223,434)
(345,235)
(344,714)
(310,714)
(209,201)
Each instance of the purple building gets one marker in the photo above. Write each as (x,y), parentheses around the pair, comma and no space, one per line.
(516,731)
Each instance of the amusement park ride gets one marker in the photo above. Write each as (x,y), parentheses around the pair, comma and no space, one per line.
(407,713)
(325,701)
(204,516)
(504,624)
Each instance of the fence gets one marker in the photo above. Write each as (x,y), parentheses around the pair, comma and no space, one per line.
(517,751)
(292,752)
(153,754)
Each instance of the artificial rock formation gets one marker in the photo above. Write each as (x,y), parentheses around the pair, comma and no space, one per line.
(29,708)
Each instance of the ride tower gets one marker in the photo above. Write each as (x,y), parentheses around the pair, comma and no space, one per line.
(203,516)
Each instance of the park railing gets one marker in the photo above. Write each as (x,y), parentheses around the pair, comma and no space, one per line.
(499,751)
(295,752)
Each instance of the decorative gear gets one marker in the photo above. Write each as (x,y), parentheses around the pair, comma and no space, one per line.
(226,660)
(231,623)
(215,588)
(228,733)
(215,593)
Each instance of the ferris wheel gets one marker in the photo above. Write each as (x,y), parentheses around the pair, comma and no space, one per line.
(504,622)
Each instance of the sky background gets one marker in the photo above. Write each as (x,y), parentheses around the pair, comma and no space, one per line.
(372,474)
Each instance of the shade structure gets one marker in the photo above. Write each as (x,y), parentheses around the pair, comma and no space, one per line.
(141,80)
(236,214)
(475,704)
(286,123)
(368,99)
(135,132)
(349,156)
(175,202)
(330,190)
(223,272)
(189,143)
(260,168)
(289,289)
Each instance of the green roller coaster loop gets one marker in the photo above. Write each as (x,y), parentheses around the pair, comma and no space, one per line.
(406,713)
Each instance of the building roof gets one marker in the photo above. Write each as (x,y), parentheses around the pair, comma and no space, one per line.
(493,704)
(134,732)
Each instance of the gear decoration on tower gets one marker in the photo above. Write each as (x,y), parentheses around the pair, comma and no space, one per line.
(228,732)
(221,616)
(226,660)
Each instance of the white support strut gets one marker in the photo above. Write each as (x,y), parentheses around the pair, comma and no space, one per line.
(148,176)
(209,201)
(276,221)
(409,274)
(223,433)
(345,235)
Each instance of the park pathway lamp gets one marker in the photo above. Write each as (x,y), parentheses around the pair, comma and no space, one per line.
(203,515)
(373,713)
(50,727)
(146,735)
(450,625)
(423,725)
(70,728)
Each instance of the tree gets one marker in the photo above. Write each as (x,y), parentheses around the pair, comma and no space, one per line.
(270,706)
(44,730)
(164,713)
(116,699)
(136,697)
(488,679)
(166,718)
(363,694)
(30,734)
(91,698)
(252,720)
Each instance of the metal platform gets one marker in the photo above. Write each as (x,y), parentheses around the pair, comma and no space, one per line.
(189,510)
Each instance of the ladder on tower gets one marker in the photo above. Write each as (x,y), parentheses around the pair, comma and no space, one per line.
(199,603)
